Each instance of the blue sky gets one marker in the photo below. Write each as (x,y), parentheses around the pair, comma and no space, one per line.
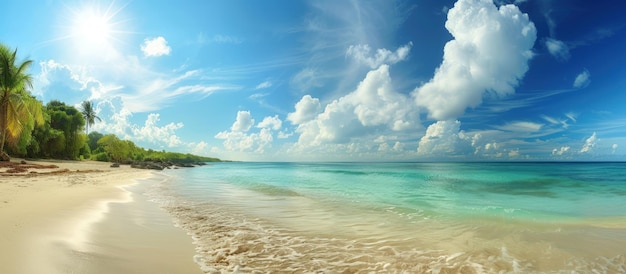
(338,80)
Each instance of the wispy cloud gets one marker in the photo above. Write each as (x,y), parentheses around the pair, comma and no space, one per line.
(263,85)
(582,80)
(590,143)
(202,38)
(558,49)
(521,126)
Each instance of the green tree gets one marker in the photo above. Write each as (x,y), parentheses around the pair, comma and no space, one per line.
(89,114)
(70,121)
(27,137)
(93,138)
(18,110)
(117,150)
(47,142)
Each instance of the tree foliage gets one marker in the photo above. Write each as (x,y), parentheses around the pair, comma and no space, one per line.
(69,121)
(89,114)
(19,111)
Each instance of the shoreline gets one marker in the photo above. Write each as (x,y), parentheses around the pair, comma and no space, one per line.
(86,217)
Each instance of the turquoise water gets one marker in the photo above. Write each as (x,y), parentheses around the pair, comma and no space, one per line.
(403,217)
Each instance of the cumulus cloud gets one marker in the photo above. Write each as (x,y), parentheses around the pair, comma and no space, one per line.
(199,148)
(155,47)
(272,122)
(117,119)
(374,105)
(441,139)
(152,133)
(590,143)
(306,109)
(238,138)
(489,54)
(560,151)
(68,83)
(243,122)
(558,49)
(582,80)
(363,54)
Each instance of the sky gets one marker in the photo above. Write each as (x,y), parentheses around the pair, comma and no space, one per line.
(430,80)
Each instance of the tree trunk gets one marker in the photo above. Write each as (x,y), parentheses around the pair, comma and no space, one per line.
(3,122)
(5,157)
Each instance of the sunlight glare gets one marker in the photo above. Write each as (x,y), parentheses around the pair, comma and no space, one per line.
(91,27)
(95,30)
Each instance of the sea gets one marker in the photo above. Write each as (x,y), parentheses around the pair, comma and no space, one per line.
(502,217)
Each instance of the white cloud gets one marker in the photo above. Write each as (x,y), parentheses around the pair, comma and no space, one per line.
(218,38)
(489,54)
(306,109)
(363,54)
(243,123)
(141,89)
(152,133)
(148,91)
(263,85)
(373,106)
(614,148)
(514,153)
(398,146)
(271,122)
(558,49)
(75,78)
(521,126)
(441,139)
(284,135)
(238,140)
(116,119)
(199,148)
(155,47)
(571,116)
(582,80)
(258,96)
(563,150)
(590,143)
(306,79)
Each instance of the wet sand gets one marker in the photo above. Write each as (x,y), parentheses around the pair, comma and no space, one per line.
(85,217)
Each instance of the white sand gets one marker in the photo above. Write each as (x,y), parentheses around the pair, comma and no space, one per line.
(81,218)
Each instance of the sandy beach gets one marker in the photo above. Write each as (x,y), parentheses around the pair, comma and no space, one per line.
(85,217)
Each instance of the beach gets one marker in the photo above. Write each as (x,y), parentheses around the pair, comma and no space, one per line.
(85,217)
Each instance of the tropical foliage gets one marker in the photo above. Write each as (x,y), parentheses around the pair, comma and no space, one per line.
(19,111)
(58,130)
(89,114)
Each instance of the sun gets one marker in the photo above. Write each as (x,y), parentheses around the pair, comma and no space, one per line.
(94,29)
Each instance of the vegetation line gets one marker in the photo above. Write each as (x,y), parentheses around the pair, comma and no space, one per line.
(59,131)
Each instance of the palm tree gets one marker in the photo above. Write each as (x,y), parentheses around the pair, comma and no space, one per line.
(90,115)
(17,107)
